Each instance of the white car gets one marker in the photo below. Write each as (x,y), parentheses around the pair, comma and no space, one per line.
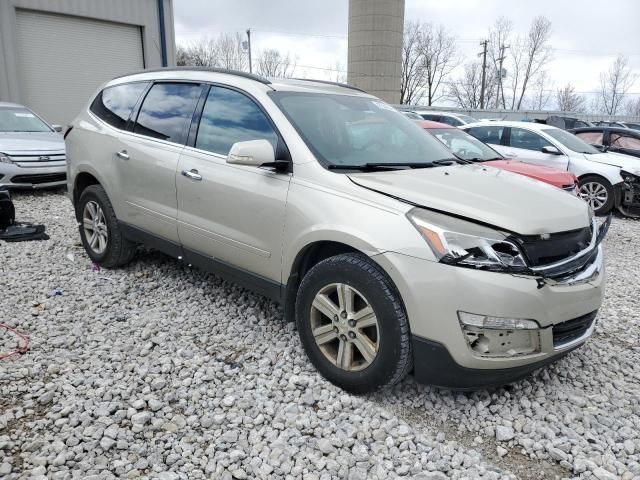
(450,118)
(606,180)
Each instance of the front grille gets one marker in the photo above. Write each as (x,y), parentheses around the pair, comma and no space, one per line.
(558,246)
(40,178)
(570,330)
(39,157)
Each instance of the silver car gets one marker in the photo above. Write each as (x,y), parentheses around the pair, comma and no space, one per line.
(32,153)
(389,254)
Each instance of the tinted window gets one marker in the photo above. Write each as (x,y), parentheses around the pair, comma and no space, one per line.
(454,122)
(167,110)
(624,141)
(115,104)
(488,134)
(229,117)
(527,140)
(430,116)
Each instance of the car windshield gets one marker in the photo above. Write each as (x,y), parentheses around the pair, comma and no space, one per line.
(570,141)
(345,130)
(19,119)
(465,146)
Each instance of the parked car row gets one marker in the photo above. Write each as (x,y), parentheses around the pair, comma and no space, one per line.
(392,249)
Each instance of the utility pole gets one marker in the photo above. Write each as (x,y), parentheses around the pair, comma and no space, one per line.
(503,47)
(484,70)
(249,48)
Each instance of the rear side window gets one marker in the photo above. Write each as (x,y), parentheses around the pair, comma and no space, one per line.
(454,122)
(229,117)
(594,138)
(430,116)
(115,104)
(488,134)
(167,110)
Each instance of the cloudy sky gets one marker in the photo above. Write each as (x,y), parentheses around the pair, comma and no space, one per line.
(587,34)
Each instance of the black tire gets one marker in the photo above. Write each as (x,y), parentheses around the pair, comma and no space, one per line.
(119,250)
(394,358)
(598,180)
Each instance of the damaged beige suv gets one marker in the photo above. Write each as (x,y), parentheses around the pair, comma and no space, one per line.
(389,254)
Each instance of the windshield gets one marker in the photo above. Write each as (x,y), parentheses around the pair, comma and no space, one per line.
(344,130)
(570,141)
(19,119)
(465,146)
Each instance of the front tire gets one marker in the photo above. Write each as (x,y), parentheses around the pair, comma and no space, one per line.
(598,193)
(353,325)
(100,231)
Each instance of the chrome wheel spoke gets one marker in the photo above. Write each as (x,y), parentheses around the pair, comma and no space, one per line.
(324,304)
(345,355)
(365,346)
(95,227)
(345,298)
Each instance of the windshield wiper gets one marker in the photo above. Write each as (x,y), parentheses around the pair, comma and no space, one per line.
(451,161)
(382,166)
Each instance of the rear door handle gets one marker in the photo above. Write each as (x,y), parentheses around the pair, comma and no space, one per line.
(123,155)
(192,174)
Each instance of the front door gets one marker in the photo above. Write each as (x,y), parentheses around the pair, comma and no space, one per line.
(526,146)
(231,214)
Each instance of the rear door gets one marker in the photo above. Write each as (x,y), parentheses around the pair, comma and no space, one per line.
(526,146)
(232,215)
(148,157)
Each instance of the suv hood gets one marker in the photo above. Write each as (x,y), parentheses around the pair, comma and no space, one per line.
(626,162)
(496,197)
(19,142)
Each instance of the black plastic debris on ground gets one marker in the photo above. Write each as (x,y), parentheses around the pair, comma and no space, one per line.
(10,231)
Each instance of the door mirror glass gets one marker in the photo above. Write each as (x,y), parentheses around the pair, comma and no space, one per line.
(57,128)
(550,150)
(252,153)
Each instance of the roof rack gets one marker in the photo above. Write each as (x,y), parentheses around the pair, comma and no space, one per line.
(237,73)
(327,82)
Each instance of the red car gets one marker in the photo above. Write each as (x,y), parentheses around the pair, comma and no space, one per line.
(467,147)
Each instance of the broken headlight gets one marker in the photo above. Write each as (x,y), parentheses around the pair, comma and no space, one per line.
(626,176)
(4,158)
(459,242)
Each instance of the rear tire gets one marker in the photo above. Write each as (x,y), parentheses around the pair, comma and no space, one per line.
(597,192)
(353,325)
(100,231)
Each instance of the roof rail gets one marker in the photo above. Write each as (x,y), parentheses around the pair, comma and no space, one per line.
(237,73)
(327,82)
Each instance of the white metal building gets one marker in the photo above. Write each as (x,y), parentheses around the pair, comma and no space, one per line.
(55,53)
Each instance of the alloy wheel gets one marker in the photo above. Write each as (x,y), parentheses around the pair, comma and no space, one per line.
(345,327)
(595,194)
(95,227)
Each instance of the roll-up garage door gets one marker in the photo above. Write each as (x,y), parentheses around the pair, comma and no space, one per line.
(63,59)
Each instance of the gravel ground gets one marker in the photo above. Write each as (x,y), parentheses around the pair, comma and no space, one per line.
(161,371)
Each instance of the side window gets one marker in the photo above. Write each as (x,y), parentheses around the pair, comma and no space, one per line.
(594,138)
(166,111)
(527,140)
(229,117)
(624,141)
(115,104)
(454,122)
(430,116)
(488,134)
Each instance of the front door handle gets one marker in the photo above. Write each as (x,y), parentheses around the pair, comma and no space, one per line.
(192,174)
(123,155)
(511,154)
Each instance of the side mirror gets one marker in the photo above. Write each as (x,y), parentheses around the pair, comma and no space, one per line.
(551,150)
(57,128)
(252,153)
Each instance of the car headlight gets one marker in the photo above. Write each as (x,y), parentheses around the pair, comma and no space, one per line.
(629,177)
(4,158)
(459,242)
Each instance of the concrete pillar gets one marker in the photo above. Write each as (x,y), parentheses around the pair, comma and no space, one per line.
(375,47)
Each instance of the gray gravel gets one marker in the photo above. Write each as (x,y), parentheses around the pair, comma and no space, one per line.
(161,371)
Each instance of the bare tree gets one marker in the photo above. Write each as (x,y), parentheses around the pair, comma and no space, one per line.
(230,52)
(542,91)
(413,73)
(633,107)
(440,58)
(567,100)
(338,72)
(466,90)
(182,56)
(272,63)
(614,85)
(224,51)
(537,53)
